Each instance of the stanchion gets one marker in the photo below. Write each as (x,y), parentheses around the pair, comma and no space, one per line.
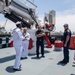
(0,42)
(7,41)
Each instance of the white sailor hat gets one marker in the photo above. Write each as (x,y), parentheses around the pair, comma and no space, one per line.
(18,23)
(25,28)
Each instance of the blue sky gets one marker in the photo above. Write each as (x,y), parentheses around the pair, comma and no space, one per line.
(57,5)
(65,12)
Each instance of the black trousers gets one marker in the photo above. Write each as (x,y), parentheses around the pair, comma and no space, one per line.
(40,44)
(66,54)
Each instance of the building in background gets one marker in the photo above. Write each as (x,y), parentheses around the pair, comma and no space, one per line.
(50,17)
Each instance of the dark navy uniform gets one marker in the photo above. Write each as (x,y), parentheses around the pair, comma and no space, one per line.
(39,42)
(67,32)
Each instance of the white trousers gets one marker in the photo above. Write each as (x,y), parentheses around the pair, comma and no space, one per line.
(25,48)
(18,50)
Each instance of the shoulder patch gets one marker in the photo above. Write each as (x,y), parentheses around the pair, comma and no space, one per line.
(68,30)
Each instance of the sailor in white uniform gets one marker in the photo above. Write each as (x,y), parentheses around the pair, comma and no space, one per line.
(17,42)
(25,44)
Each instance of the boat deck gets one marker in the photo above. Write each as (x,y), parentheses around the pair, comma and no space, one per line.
(34,66)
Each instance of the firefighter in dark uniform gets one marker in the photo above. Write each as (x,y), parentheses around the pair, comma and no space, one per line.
(39,41)
(66,43)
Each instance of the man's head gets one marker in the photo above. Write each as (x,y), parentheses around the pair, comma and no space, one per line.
(39,27)
(19,24)
(65,26)
(25,29)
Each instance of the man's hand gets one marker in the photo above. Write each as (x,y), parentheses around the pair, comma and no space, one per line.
(65,45)
(40,35)
(43,34)
(24,39)
(67,39)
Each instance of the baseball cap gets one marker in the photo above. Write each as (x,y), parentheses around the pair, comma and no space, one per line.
(65,25)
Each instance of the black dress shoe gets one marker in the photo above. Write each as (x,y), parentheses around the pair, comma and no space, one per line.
(26,57)
(20,66)
(37,57)
(22,57)
(43,56)
(60,61)
(63,62)
(17,69)
(73,65)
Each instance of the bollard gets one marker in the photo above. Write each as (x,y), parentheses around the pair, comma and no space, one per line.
(58,45)
(0,42)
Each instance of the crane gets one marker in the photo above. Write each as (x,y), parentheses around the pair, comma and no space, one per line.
(16,10)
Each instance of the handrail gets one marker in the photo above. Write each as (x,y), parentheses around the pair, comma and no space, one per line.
(32,3)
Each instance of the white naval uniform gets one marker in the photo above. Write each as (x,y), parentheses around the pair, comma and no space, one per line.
(17,42)
(25,45)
